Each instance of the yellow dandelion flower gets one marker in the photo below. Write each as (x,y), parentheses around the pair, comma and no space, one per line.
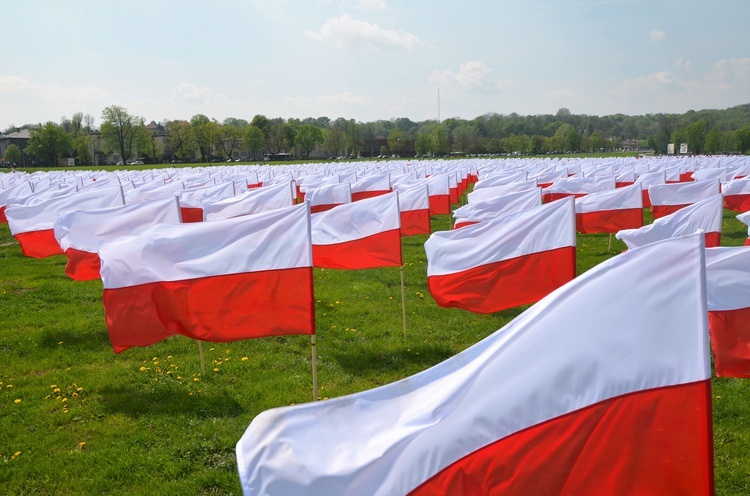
(59,343)
(216,370)
(244,359)
(142,368)
(196,379)
(81,444)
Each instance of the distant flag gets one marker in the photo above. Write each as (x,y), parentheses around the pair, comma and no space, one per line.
(471,213)
(328,196)
(360,235)
(648,179)
(737,195)
(705,215)
(369,186)
(513,260)
(560,401)
(233,279)
(669,198)
(610,211)
(483,194)
(577,187)
(438,187)
(191,200)
(81,232)
(414,206)
(260,199)
(728,296)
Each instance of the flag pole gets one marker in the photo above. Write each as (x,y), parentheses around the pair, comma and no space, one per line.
(403,301)
(314,367)
(609,248)
(200,352)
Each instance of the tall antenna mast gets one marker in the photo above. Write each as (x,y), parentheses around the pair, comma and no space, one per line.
(438,105)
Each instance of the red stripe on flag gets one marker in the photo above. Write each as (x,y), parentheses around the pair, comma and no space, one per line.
(664,210)
(219,308)
(505,284)
(624,184)
(440,204)
(191,214)
(459,225)
(646,198)
(362,195)
(82,265)
(631,444)
(414,222)
(550,197)
(39,244)
(379,250)
(713,239)
(609,221)
(730,341)
(453,195)
(314,209)
(747,242)
(738,203)
(686,177)
(3,218)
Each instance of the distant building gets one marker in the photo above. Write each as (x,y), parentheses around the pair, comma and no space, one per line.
(20,138)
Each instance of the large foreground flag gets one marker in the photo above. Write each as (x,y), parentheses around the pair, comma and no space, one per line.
(21,188)
(703,216)
(512,260)
(560,401)
(610,211)
(489,209)
(737,195)
(360,235)
(669,198)
(728,296)
(33,225)
(232,279)
(80,232)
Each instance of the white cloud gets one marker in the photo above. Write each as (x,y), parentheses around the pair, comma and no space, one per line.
(657,36)
(471,76)
(192,94)
(53,93)
(645,84)
(346,31)
(683,64)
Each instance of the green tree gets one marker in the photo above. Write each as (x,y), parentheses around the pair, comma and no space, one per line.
(82,145)
(573,141)
(207,134)
(230,139)
(181,140)
(307,139)
(121,131)
(465,137)
(13,154)
(277,140)
(423,144)
(713,141)
(48,143)
(354,137)
(596,142)
(696,136)
(536,146)
(440,140)
(742,140)
(334,140)
(253,139)
(395,140)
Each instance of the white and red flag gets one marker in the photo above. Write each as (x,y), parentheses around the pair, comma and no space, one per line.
(737,195)
(369,186)
(513,260)
(22,188)
(562,400)
(577,187)
(728,297)
(705,216)
(80,232)
(490,209)
(648,179)
(438,187)
(239,278)
(479,195)
(360,235)
(328,196)
(669,198)
(500,178)
(414,206)
(610,211)
(191,200)
(745,219)
(260,199)
(33,225)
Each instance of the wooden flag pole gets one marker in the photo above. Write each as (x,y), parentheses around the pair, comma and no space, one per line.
(609,248)
(200,352)
(403,300)
(314,367)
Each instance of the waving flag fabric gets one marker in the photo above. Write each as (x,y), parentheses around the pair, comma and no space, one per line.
(438,187)
(33,225)
(610,211)
(703,216)
(728,296)
(512,260)
(22,188)
(669,198)
(227,280)
(191,200)
(472,213)
(500,190)
(369,186)
(577,187)
(647,180)
(506,177)
(80,232)
(360,235)
(737,195)
(414,206)
(560,401)
(256,200)
(328,196)
(745,219)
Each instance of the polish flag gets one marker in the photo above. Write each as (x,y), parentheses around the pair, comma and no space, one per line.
(491,209)
(33,225)
(547,178)
(414,207)
(80,232)
(359,235)
(261,199)
(728,296)
(499,179)
(737,195)
(40,196)
(306,183)
(560,401)
(625,177)
(610,211)
(326,197)
(647,180)
(669,198)
(513,260)
(577,187)
(369,186)
(191,200)
(232,279)
(483,194)
(438,187)
(745,219)
(713,174)
(22,188)
(153,191)
(705,215)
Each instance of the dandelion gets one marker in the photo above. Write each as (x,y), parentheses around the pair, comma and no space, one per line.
(59,343)
(81,444)
(196,379)
(244,359)
(17,401)
(15,455)
(9,386)
(337,302)
(142,369)
(216,370)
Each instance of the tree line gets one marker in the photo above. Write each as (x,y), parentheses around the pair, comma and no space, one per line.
(204,139)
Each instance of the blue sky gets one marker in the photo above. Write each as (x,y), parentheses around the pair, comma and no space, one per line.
(370,59)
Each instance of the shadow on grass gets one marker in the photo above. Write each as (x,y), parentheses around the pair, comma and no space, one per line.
(133,402)
(83,340)
(370,361)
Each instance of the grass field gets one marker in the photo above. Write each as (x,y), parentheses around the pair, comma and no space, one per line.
(77,419)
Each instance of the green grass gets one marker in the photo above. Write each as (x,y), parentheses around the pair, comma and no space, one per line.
(147,422)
